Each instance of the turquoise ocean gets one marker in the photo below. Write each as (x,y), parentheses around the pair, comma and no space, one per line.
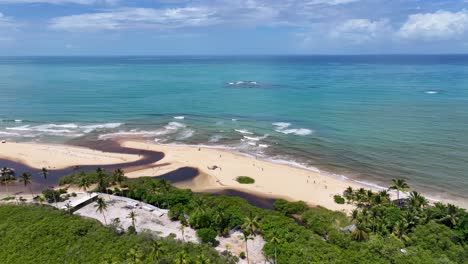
(364,118)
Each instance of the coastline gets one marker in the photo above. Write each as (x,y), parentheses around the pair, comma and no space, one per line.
(272,179)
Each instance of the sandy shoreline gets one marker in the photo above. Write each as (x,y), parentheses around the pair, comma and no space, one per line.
(271,179)
(57,156)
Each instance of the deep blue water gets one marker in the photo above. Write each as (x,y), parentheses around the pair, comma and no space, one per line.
(371,118)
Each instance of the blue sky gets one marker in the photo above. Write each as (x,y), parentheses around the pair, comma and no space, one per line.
(168,27)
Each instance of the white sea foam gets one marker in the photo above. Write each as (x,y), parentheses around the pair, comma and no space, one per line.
(91,128)
(243,83)
(184,134)
(20,128)
(299,131)
(179,117)
(133,132)
(263,145)
(243,131)
(174,126)
(256,138)
(215,138)
(66,130)
(283,127)
(9,134)
(18,120)
(431,92)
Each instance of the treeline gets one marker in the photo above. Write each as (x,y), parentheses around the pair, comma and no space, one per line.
(380,230)
(42,234)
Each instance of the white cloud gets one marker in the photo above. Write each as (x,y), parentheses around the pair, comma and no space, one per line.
(6,22)
(331,2)
(440,25)
(136,17)
(361,30)
(57,2)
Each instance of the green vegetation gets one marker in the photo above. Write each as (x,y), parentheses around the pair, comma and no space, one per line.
(54,237)
(378,231)
(339,199)
(290,208)
(245,180)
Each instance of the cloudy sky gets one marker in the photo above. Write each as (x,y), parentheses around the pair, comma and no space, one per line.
(167,27)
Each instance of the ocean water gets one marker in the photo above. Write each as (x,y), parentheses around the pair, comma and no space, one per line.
(366,118)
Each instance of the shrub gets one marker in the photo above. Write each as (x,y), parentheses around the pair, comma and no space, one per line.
(53,195)
(290,207)
(338,199)
(245,180)
(207,235)
(242,255)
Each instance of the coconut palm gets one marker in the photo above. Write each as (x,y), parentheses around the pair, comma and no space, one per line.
(417,200)
(165,186)
(182,258)
(44,172)
(101,206)
(451,217)
(25,178)
(202,259)
(134,256)
(118,176)
(7,175)
(102,181)
(348,193)
(157,250)
(69,208)
(360,232)
(251,224)
(399,185)
(84,184)
(182,230)
(132,215)
(246,236)
(275,240)
(401,230)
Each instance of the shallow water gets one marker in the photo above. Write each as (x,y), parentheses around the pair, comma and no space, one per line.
(371,118)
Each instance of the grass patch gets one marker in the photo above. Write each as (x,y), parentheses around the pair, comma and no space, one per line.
(245,180)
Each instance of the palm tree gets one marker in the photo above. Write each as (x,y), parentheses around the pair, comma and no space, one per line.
(202,259)
(182,230)
(399,185)
(69,208)
(165,187)
(84,184)
(275,240)
(451,217)
(400,230)
(102,182)
(101,207)
(251,224)
(132,215)
(246,236)
(134,256)
(417,200)
(7,175)
(182,258)
(157,250)
(44,173)
(118,176)
(25,178)
(360,233)
(348,192)
(199,206)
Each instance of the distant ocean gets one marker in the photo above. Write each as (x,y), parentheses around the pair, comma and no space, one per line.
(367,118)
